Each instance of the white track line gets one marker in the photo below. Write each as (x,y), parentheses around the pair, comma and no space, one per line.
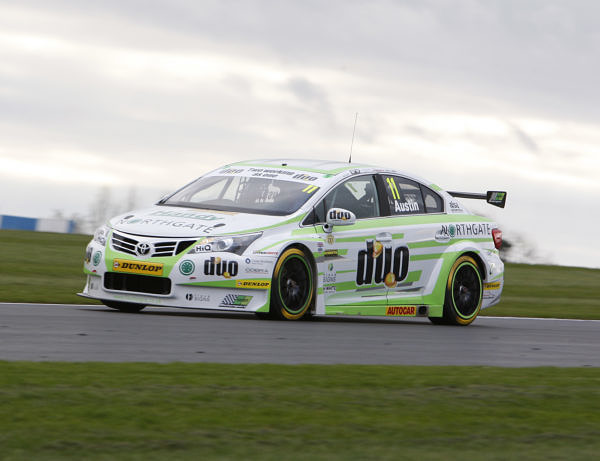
(480,317)
(43,304)
(535,318)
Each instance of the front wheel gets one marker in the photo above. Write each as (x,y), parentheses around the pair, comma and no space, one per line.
(293,288)
(124,307)
(464,293)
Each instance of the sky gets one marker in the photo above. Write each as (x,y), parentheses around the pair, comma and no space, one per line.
(123,101)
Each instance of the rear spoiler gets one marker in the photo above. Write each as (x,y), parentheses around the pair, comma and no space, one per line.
(493,197)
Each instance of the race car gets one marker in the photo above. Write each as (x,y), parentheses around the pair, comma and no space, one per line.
(288,239)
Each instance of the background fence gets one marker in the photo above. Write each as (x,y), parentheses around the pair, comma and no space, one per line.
(63,226)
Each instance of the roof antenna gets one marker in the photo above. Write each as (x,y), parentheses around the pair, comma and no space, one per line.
(352,143)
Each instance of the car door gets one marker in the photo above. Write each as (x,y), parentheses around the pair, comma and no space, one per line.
(347,265)
(416,256)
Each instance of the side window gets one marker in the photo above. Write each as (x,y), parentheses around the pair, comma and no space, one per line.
(357,195)
(433,202)
(403,195)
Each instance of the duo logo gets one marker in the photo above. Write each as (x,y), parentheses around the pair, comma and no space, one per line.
(218,266)
(377,264)
(339,215)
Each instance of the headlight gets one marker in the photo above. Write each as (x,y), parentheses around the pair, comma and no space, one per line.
(101,235)
(230,243)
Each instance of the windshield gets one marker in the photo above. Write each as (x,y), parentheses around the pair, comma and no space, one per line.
(243,194)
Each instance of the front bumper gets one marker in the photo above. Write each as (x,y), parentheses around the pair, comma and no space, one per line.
(185,296)
(222,281)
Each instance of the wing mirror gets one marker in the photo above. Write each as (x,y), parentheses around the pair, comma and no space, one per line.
(338,217)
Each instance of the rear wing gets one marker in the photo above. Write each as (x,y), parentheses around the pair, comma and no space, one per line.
(493,197)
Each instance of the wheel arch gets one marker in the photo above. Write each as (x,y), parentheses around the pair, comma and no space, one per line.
(480,263)
(313,264)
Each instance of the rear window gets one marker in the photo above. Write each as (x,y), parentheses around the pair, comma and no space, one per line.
(403,195)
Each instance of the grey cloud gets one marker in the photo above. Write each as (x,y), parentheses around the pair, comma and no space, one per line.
(307,92)
(539,55)
(526,141)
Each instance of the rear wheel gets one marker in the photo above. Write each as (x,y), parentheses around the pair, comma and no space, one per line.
(464,293)
(124,307)
(293,288)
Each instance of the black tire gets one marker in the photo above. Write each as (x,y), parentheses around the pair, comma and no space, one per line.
(464,293)
(263,315)
(124,307)
(438,320)
(293,286)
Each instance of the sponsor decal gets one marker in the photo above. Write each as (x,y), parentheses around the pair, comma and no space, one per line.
(203,248)
(259,261)
(231,171)
(330,276)
(491,286)
(354,171)
(97,258)
(380,263)
(220,267)
(497,197)
(451,231)
(269,253)
(405,207)
(204,228)
(441,236)
(256,270)
(330,239)
(454,206)
(401,311)
(304,177)
(339,215)
(269,172)
(253,284)
(187,214)
(330,253)
(197,297)
(135,267)
(328,290)
(187,267)
(240,301)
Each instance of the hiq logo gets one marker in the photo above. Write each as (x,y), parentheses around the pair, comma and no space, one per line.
(218,266)
(379,264)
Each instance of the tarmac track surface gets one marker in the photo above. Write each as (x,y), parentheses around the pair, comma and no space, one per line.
(84,333)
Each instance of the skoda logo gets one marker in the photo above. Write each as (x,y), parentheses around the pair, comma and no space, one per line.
(142,249)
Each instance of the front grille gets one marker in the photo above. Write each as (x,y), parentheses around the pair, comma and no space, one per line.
(158,248)
(137,283)
(123,244)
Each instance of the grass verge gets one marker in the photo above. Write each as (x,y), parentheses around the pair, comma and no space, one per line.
(47,268)
(271,412)
(42,267)
(549,291)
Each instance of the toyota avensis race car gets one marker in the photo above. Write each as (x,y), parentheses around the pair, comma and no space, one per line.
(291,238)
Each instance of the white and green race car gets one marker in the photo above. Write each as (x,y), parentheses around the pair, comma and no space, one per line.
(293,238)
